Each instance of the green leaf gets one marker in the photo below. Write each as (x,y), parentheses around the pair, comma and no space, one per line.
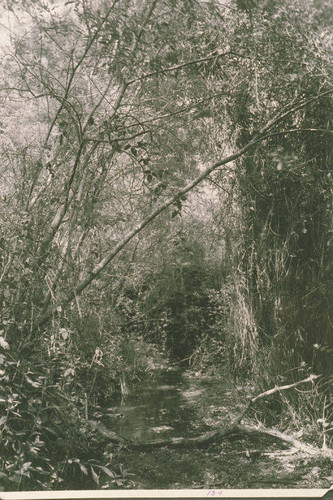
(25,466)
(16,478)
(31,382)
(83,469)
(3,343)
(107,471)
(68,372)
(94,476)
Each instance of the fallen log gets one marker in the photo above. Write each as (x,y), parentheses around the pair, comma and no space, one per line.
(235,428)
(299,445)
(215,437)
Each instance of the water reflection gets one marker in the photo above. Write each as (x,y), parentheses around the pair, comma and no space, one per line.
(158,410)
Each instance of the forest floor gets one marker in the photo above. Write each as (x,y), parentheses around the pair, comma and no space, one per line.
(185,405)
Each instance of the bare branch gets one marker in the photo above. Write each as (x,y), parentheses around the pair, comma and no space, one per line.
(78,64)
(112,253)
(178,67)
(311,378)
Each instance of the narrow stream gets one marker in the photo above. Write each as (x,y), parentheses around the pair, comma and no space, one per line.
(179,405)
(165,408)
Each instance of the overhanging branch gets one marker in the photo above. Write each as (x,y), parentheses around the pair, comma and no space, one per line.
(263,134)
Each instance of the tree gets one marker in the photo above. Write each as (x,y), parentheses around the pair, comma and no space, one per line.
(112,116)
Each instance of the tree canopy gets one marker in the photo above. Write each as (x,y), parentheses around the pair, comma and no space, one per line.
(166,186)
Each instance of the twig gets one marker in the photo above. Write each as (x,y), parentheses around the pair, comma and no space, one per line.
(311,378)
(110,254)
(178,66)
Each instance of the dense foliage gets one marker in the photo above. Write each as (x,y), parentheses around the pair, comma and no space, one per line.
(166,191)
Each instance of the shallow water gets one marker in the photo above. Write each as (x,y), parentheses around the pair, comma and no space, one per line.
(163,408)
(178,405)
